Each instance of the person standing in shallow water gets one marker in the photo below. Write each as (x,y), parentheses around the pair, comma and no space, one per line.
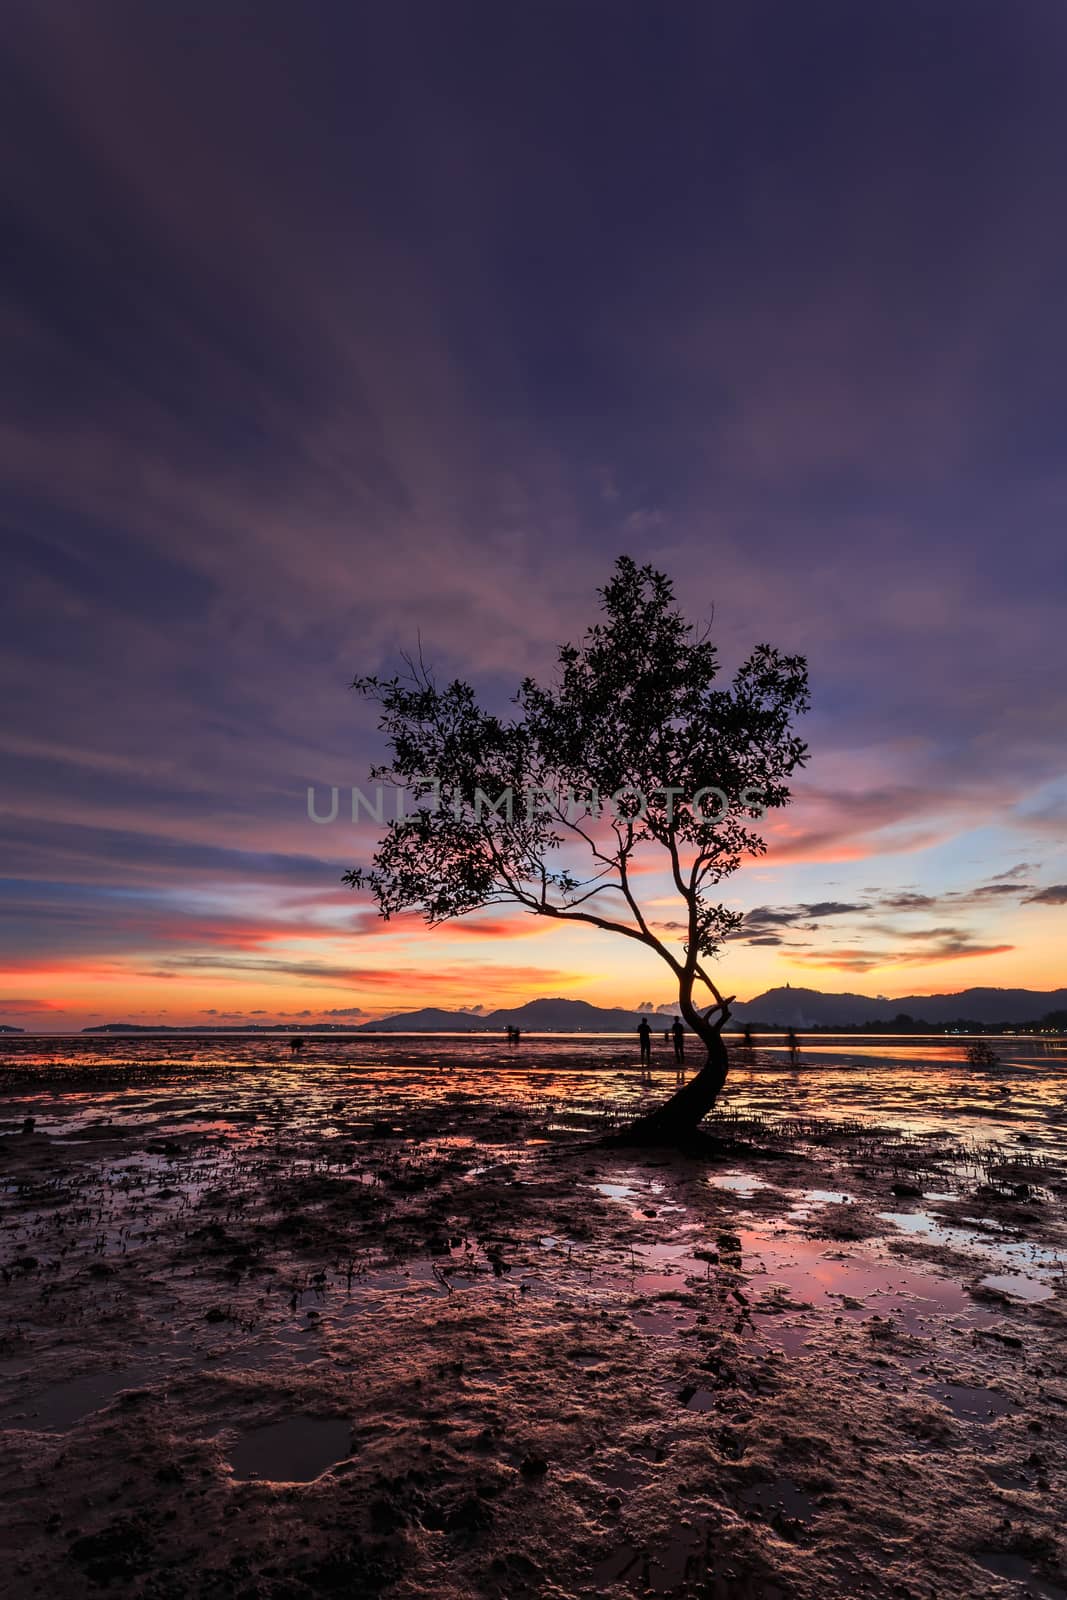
(678,1036)
(793,1046)
(644,1033)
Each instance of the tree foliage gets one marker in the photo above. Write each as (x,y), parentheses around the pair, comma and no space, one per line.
(635,750)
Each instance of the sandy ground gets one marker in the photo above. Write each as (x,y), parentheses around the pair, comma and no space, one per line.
(401,1328)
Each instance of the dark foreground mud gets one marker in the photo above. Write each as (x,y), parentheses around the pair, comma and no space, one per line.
(363,1331)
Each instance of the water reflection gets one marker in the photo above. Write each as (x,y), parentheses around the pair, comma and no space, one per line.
(295,1450)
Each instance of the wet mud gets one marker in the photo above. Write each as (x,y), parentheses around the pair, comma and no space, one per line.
(388,1321)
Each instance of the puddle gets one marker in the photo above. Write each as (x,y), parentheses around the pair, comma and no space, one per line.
(1006,1479)
(296,1450)
(810,1199)
(663,1267)
(1019,1287)
(644,1198)
(670,1322)
(619,1565)
(788,1338)
(780,1497)
(1018,1570)
(64,1404)
(856,1285)
(1013,1252)
(683,1558)
(787,1274)
(622,1477)
(972,1405)
(739,1183)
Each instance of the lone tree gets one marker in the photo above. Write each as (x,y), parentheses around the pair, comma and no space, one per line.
(633,759)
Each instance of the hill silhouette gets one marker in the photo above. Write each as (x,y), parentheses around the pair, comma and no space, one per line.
(540,1016)
(810,1008)
(783,1007)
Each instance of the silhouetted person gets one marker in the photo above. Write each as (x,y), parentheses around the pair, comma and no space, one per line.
(746,1039)
(516,1035)
(793,1046)
(295,1046)
(644,1033)
(678,1035)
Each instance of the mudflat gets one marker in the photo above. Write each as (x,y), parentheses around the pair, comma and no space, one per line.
(386,1320)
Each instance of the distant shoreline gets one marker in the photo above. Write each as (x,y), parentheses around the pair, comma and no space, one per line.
(808,1011)
(760,1034)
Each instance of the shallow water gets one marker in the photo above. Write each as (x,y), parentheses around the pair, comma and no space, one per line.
(88,1086)
(61,1405)
(209,1112)
(294,1450)
(1017,1570)
(1045,1264)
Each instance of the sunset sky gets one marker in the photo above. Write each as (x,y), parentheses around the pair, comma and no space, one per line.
(329,329)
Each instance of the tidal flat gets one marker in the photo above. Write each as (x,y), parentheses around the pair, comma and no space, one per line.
(387,1319)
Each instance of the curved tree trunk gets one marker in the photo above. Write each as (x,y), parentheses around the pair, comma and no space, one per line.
(680,1116)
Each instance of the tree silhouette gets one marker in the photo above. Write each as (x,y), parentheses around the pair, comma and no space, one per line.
(633,757)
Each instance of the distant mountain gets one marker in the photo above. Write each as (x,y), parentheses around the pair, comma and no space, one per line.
(430,1019)
(778,1008)
(810,1008)
(539,1016)
(6,1028)
(565,1016)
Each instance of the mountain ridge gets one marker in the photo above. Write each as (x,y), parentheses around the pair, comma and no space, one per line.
(781,1007)
(813,1008)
